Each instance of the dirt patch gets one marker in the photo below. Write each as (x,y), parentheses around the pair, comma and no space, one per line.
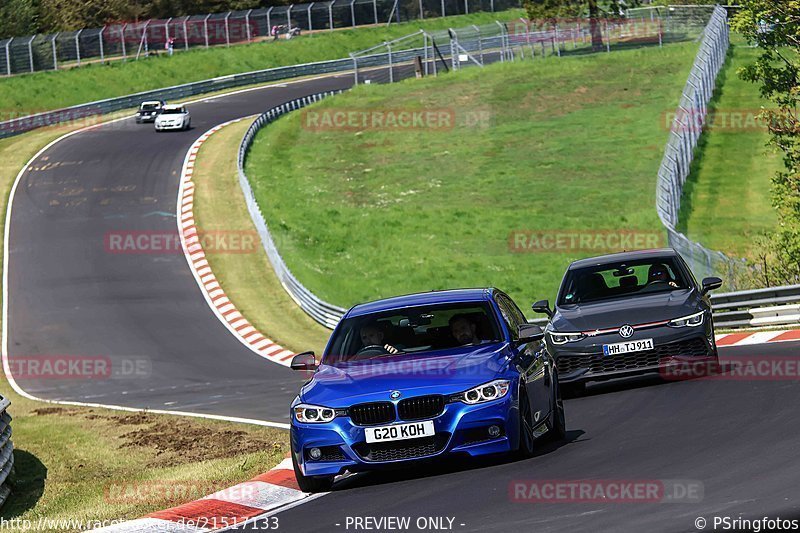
(42,411)
(180,442)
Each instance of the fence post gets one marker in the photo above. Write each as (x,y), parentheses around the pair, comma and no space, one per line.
(166,31)
(491,5)
(289,16)
(355,68)
(391,73)
(227,30)
(308,13)
(425,53)
(466,7)
(480,44)
(205,28)
(330,15)
(375,10)
(608,38)
(442,7)
(122,41)
(421,14)
(102,52)
(30,51)
(8,58)
(247,24)
(352,13)
(186,33)
(78,46)
(55,52)
(502,41)
(269,22)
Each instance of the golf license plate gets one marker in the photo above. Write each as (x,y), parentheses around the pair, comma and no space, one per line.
(630,346)
(413,430)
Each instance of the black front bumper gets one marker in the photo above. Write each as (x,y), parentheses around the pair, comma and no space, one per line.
(582,364)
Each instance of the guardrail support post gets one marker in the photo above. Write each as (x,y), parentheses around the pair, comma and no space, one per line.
(227,30)
(78,46)
(205,28)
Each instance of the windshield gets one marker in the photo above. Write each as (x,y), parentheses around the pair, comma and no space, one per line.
(412,330)
(173,111)
(149,107)
(624,279)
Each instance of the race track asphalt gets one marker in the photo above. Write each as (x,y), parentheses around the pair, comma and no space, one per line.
(69,295)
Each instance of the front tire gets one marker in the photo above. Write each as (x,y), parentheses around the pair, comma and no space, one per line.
(526,439)
(311,483)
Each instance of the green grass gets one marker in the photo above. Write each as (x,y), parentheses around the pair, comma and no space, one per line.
(569,144)
(727,199)
(247,278)
(51,90)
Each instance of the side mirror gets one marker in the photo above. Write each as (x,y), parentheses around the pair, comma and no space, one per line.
(709,284)
(543,306)
(304,361)
(530,333)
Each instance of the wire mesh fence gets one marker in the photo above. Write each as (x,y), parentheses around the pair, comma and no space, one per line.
(134,40)
(685,131)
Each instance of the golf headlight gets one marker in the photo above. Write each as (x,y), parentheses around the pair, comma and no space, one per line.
(485,393)
(313,414)
(688,321)
(563,338)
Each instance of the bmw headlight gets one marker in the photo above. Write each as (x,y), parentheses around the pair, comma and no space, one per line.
(313,414)
(564,338)
(688,321)
(483,393)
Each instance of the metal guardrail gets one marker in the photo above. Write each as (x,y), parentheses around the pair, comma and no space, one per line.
(323,312)
(6,449)
(773,306)
(83,111)
(685,132)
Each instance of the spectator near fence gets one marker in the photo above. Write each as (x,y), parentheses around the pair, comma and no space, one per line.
(169,46)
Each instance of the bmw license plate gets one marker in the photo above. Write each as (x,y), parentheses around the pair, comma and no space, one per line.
(414,430)
(630,346)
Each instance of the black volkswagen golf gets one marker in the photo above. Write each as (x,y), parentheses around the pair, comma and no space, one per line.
(629,313)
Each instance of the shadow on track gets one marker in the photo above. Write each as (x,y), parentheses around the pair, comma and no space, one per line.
(447,465)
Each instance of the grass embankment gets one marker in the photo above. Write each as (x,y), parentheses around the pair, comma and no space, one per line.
(247,278)
(52,90)
(727,199)
(566,145)
(94,464)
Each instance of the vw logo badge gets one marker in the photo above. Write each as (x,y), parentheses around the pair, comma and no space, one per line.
(394,395)
(626,331)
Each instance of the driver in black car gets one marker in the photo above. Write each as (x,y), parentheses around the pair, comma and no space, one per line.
(372,336)
(658,274)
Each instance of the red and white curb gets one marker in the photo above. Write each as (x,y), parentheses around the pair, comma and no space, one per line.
(757,337)
(234,506)
(214,294)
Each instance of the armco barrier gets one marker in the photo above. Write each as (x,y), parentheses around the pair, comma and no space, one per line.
(6,449)
(323,312)
(28,123)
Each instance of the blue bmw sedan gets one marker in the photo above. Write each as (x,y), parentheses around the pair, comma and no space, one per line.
(421,376)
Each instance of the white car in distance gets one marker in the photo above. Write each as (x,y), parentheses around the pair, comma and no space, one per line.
(173,117)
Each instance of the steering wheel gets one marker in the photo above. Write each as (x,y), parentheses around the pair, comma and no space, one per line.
(372,350)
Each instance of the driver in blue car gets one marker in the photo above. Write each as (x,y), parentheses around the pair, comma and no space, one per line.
(464,330)
(372,336)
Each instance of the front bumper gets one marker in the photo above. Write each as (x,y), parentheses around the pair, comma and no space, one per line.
(584,360)
(171,126)
(145,118)
(459,429)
